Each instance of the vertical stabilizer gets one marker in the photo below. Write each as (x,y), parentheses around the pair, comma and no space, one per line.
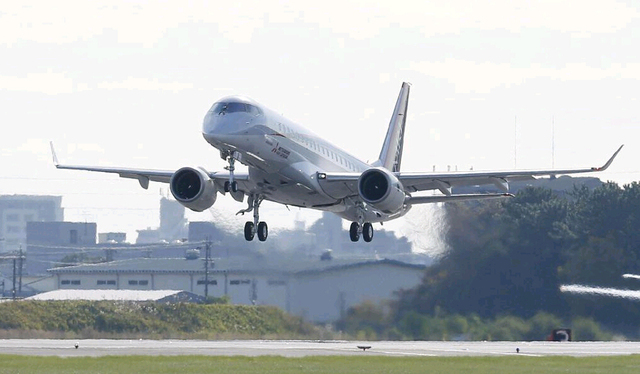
(391,153)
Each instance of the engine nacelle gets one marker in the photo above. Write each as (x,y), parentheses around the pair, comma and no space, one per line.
(382,190)
(193,188)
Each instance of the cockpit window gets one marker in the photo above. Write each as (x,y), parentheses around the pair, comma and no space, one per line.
(253,110)
(236,107)
(218,108)
(223,108)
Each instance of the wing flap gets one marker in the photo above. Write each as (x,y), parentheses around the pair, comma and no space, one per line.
(341,185)
(462,197)
(144,176)
(413,182)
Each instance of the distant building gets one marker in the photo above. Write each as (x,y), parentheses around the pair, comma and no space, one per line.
(17,210)
(52,243)
(201,231)
(112,237)
(148,236)
(329,234)
(62,233)
(41,257)
(320,291)
(173,224)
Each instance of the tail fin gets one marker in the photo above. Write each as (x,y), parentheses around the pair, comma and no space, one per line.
(391,153)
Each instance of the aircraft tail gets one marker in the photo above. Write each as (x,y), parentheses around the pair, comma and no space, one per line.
(391,153)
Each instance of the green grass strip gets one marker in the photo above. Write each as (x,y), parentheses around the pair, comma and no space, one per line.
(317,364)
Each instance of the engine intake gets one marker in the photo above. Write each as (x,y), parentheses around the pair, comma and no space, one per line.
(381,189)
(193,188)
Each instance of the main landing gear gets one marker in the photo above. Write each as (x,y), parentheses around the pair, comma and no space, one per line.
(366,230)
(255,227)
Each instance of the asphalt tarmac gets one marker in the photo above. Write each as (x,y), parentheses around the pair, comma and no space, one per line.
(293,348)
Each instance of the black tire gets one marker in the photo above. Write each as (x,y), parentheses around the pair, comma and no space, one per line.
(249,231)
(263,231)
(227,187)
(367,232)
(234,186)
(353,232)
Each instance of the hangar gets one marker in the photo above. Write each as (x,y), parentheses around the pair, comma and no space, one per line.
(318,290)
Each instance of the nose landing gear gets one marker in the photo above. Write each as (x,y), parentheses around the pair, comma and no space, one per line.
(231,184)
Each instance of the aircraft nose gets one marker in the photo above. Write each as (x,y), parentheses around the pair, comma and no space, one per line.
(224,124)
(216,124)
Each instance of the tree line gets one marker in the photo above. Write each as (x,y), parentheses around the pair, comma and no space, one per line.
(507,259)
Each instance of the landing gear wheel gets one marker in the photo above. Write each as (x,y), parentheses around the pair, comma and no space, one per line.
(227,186)
(249,231)
(234,186)
(367,232)
(354,231)
(263,231)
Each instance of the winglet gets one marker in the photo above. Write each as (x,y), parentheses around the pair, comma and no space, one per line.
(608,163)
(53,154)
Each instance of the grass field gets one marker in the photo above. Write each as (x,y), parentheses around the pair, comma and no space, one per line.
(324,364)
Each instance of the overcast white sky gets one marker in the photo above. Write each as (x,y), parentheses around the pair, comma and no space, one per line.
(128,83)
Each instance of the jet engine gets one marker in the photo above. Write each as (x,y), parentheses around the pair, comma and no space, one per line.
(381,189)
(193,188)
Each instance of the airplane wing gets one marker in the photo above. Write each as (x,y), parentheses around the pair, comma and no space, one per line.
(164,176)
(346,184)
(414,182)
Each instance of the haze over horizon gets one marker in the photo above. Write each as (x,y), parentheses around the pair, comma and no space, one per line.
(128,84)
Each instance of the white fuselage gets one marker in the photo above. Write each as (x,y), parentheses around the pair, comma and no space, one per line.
(283,158)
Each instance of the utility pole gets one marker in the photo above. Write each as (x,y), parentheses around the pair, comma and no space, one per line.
(20,262)
(17,261)
(206,267)
(13,289)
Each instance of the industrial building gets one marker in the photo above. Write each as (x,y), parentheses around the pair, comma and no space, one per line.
(318,290)
(17,210)
(49,244)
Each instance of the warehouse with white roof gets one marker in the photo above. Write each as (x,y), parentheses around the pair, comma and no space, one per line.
(159,296)
(320,291)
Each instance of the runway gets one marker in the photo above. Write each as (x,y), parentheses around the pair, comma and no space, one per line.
(294,348)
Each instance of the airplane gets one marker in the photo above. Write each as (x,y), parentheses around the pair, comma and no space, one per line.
(290,165)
